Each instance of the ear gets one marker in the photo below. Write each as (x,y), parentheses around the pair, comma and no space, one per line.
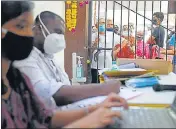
(36,30)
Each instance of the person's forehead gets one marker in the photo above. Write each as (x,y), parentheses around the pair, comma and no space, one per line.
(102,20)
(109,21)
(26,17)
(55,23)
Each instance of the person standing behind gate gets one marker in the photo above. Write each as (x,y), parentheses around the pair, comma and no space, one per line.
(172,45)
(99,58)
(158,33)
(50,82)
(126,49)
(110,25)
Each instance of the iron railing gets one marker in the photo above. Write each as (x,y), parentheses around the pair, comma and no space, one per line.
(120,3)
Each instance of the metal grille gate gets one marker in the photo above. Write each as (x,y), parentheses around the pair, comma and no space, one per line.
(129,7)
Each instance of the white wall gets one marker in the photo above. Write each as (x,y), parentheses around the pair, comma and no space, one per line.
(57,7)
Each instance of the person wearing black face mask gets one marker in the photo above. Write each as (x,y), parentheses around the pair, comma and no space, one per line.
(21,107)
(158,33)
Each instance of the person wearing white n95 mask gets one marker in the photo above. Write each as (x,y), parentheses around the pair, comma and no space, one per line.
(53,42)
(41,67)
(50,82)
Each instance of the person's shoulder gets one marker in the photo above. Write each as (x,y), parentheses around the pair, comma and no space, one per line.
(173,36)
(161,27)
(31,59)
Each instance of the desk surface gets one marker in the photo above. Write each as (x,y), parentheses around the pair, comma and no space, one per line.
(151,98)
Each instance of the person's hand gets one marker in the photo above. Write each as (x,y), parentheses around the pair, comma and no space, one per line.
(163,51)
(113,100)
(96,41)
(98,119)
(102,115)
(111,86)
(101,118)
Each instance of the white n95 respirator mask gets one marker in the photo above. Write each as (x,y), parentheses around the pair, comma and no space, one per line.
(53,42)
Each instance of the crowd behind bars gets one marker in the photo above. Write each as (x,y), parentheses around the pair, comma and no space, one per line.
(130,43)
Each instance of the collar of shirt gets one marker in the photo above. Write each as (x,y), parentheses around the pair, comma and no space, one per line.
(38,52)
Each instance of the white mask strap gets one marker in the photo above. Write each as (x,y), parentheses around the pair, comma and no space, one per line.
(43,25)
(43,31)
(4,30)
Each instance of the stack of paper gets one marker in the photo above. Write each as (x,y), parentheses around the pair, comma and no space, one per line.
(126,93)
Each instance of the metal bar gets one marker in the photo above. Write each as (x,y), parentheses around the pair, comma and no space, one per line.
(159,32)
(139,14)
(121,28)
(136,26)
(150,48)
(105,34)
(144,28)
(95,11)
(113,29)
(98,48)
(98,35)
(89,56)
(129,21)
(175,46)
(167,26)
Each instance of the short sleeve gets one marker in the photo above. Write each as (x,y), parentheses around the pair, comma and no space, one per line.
(172,41)
(155,32)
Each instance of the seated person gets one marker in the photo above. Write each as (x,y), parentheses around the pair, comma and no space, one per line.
(21,107)
(50,82)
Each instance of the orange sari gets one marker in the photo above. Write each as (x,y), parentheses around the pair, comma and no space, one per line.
(126,50)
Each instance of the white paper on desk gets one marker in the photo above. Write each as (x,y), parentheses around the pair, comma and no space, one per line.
(125,93)
(169,79)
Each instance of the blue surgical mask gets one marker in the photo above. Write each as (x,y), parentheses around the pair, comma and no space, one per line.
(102,28)
(110,29)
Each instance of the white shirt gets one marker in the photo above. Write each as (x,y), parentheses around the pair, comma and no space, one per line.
(45,74)
(101,55)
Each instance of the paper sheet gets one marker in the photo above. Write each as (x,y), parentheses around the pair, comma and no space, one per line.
(169,79)
(126,93)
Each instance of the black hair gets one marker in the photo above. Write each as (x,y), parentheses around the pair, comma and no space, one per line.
(13,9)
(47,14)
(159,15)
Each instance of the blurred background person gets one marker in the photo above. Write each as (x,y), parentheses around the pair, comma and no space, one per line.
(94,29)
(98,41)
(156,40)
(116,29)
(172,51)
(127,48)
(109,25)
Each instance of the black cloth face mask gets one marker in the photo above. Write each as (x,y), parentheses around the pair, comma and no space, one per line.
(154,21)
(15,47)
